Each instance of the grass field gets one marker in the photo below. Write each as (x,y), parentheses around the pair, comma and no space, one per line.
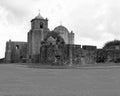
(19,80)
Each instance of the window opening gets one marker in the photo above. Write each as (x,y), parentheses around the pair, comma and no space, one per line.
(17,47)
(41,25)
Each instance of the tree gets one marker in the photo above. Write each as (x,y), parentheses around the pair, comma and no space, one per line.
(110,44)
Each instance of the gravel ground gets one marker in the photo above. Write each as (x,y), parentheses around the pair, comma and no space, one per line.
(20,80)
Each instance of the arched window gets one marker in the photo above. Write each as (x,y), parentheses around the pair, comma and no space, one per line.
(17,47)
(41,24)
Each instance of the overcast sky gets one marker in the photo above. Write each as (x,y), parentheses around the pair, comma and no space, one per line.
(94,22)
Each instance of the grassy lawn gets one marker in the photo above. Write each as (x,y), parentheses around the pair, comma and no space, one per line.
(20,80)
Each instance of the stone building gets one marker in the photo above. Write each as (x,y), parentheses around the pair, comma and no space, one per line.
(56,47)
(49,47)
(38,36)
(15,52)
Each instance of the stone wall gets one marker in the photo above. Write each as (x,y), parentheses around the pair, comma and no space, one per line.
(88,57)
(66,54)
(16,52)
(54,54)
(89,54)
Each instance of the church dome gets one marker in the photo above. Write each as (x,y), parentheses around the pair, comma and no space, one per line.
(61,29)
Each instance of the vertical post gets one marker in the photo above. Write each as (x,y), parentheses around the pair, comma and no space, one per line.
(70,52)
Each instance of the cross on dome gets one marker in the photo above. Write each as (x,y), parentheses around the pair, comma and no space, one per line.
(39,16)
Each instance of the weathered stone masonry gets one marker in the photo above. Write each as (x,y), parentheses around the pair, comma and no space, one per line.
(49,47)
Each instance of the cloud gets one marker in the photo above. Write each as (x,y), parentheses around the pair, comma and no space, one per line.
(93,21)
(16,9)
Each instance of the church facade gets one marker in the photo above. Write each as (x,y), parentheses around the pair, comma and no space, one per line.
(44,46)
(38,36)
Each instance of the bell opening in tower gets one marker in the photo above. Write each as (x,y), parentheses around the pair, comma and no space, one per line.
(41,25)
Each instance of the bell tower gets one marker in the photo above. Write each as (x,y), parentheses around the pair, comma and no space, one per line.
(39,28)
(39,23)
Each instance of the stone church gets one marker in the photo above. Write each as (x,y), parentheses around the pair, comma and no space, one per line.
(54,47)
(38,36)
